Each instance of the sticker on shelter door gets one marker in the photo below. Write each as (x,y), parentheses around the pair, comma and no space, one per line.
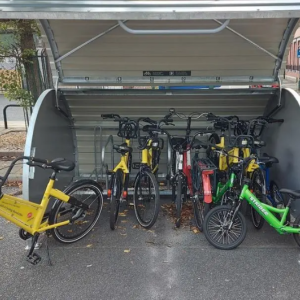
(167,73)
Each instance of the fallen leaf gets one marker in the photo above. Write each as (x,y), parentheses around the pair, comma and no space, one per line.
(124,234)
(88,266)
(136,226)
(122,214)
(127,250)
(152,231)
(89,245)
(196,231)
(124,221)
(1,238)
(150,242)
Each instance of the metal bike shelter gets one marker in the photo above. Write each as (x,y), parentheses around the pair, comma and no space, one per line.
(96,46)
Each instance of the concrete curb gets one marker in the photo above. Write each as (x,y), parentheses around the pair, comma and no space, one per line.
(11,153)
(14,177)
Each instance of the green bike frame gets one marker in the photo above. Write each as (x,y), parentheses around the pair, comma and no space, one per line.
(266,211)
(223,188)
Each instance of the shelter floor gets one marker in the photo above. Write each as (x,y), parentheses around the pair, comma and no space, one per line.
(161,263)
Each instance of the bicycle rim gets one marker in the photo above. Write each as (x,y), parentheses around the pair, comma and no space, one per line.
(216,228)
(115,198)
(86,193)
(258,186)
(146,199)
(178,202)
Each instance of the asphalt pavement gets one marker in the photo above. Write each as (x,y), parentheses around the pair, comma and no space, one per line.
(161,263)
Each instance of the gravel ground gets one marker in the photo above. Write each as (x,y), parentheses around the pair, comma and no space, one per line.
(13,140)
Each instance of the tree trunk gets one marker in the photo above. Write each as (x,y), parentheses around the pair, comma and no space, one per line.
(31,63)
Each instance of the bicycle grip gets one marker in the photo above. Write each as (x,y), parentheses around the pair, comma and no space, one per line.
(166,121)
(211,117)
(147,128)
(107,116)
(39,160)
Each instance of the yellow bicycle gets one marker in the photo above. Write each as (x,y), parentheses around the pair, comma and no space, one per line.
(72,216)
(119,182)
(146,198)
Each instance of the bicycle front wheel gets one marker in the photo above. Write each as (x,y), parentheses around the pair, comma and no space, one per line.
(85,191)
(259,190)
(178,201)
(146,199)
(222,230)
(116,190)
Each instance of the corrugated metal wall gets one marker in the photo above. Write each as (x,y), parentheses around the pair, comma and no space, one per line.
(86,107)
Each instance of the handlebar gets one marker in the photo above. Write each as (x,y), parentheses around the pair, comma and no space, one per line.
(110,116)
(31,161)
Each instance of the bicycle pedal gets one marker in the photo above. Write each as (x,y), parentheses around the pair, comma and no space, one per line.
(34,258)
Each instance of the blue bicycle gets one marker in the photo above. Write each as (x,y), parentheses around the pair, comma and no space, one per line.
(267,190)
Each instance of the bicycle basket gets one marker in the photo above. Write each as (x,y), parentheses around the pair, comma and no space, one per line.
(128,129)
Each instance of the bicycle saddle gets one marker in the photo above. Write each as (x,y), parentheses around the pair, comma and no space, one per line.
(123,148)
(198,145)
(292,193)
(268,160)
(61,164)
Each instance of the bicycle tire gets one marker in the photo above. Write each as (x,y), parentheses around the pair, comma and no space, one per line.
(277,197)
(296,236)
(212,228)
(173,174)
(141,202)
(257,220)
(275,194)
(178,201)
(116,190)
(64,234)
(201,209)
(155,161)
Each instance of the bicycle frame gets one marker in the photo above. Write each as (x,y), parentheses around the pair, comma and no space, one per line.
(266,211)
(123,161)
(147,155)
(29,215)
(268,181)
(222,189)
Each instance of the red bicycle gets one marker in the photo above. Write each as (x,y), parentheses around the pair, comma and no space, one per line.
(190,174)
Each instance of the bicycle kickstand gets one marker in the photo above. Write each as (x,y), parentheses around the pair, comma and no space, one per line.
(33,257)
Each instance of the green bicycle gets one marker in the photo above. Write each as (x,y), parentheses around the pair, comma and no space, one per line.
(225,226)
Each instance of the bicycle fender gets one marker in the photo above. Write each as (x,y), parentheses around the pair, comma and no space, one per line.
(206,188)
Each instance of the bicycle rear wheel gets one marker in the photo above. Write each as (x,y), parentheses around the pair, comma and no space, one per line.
(201,209)
(146,199)
(259,190)
(178,201)
(216,228)
(116,190)
(85,191)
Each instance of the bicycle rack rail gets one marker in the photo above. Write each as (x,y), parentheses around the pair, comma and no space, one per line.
(97,139)
(5,114)
(110,140)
